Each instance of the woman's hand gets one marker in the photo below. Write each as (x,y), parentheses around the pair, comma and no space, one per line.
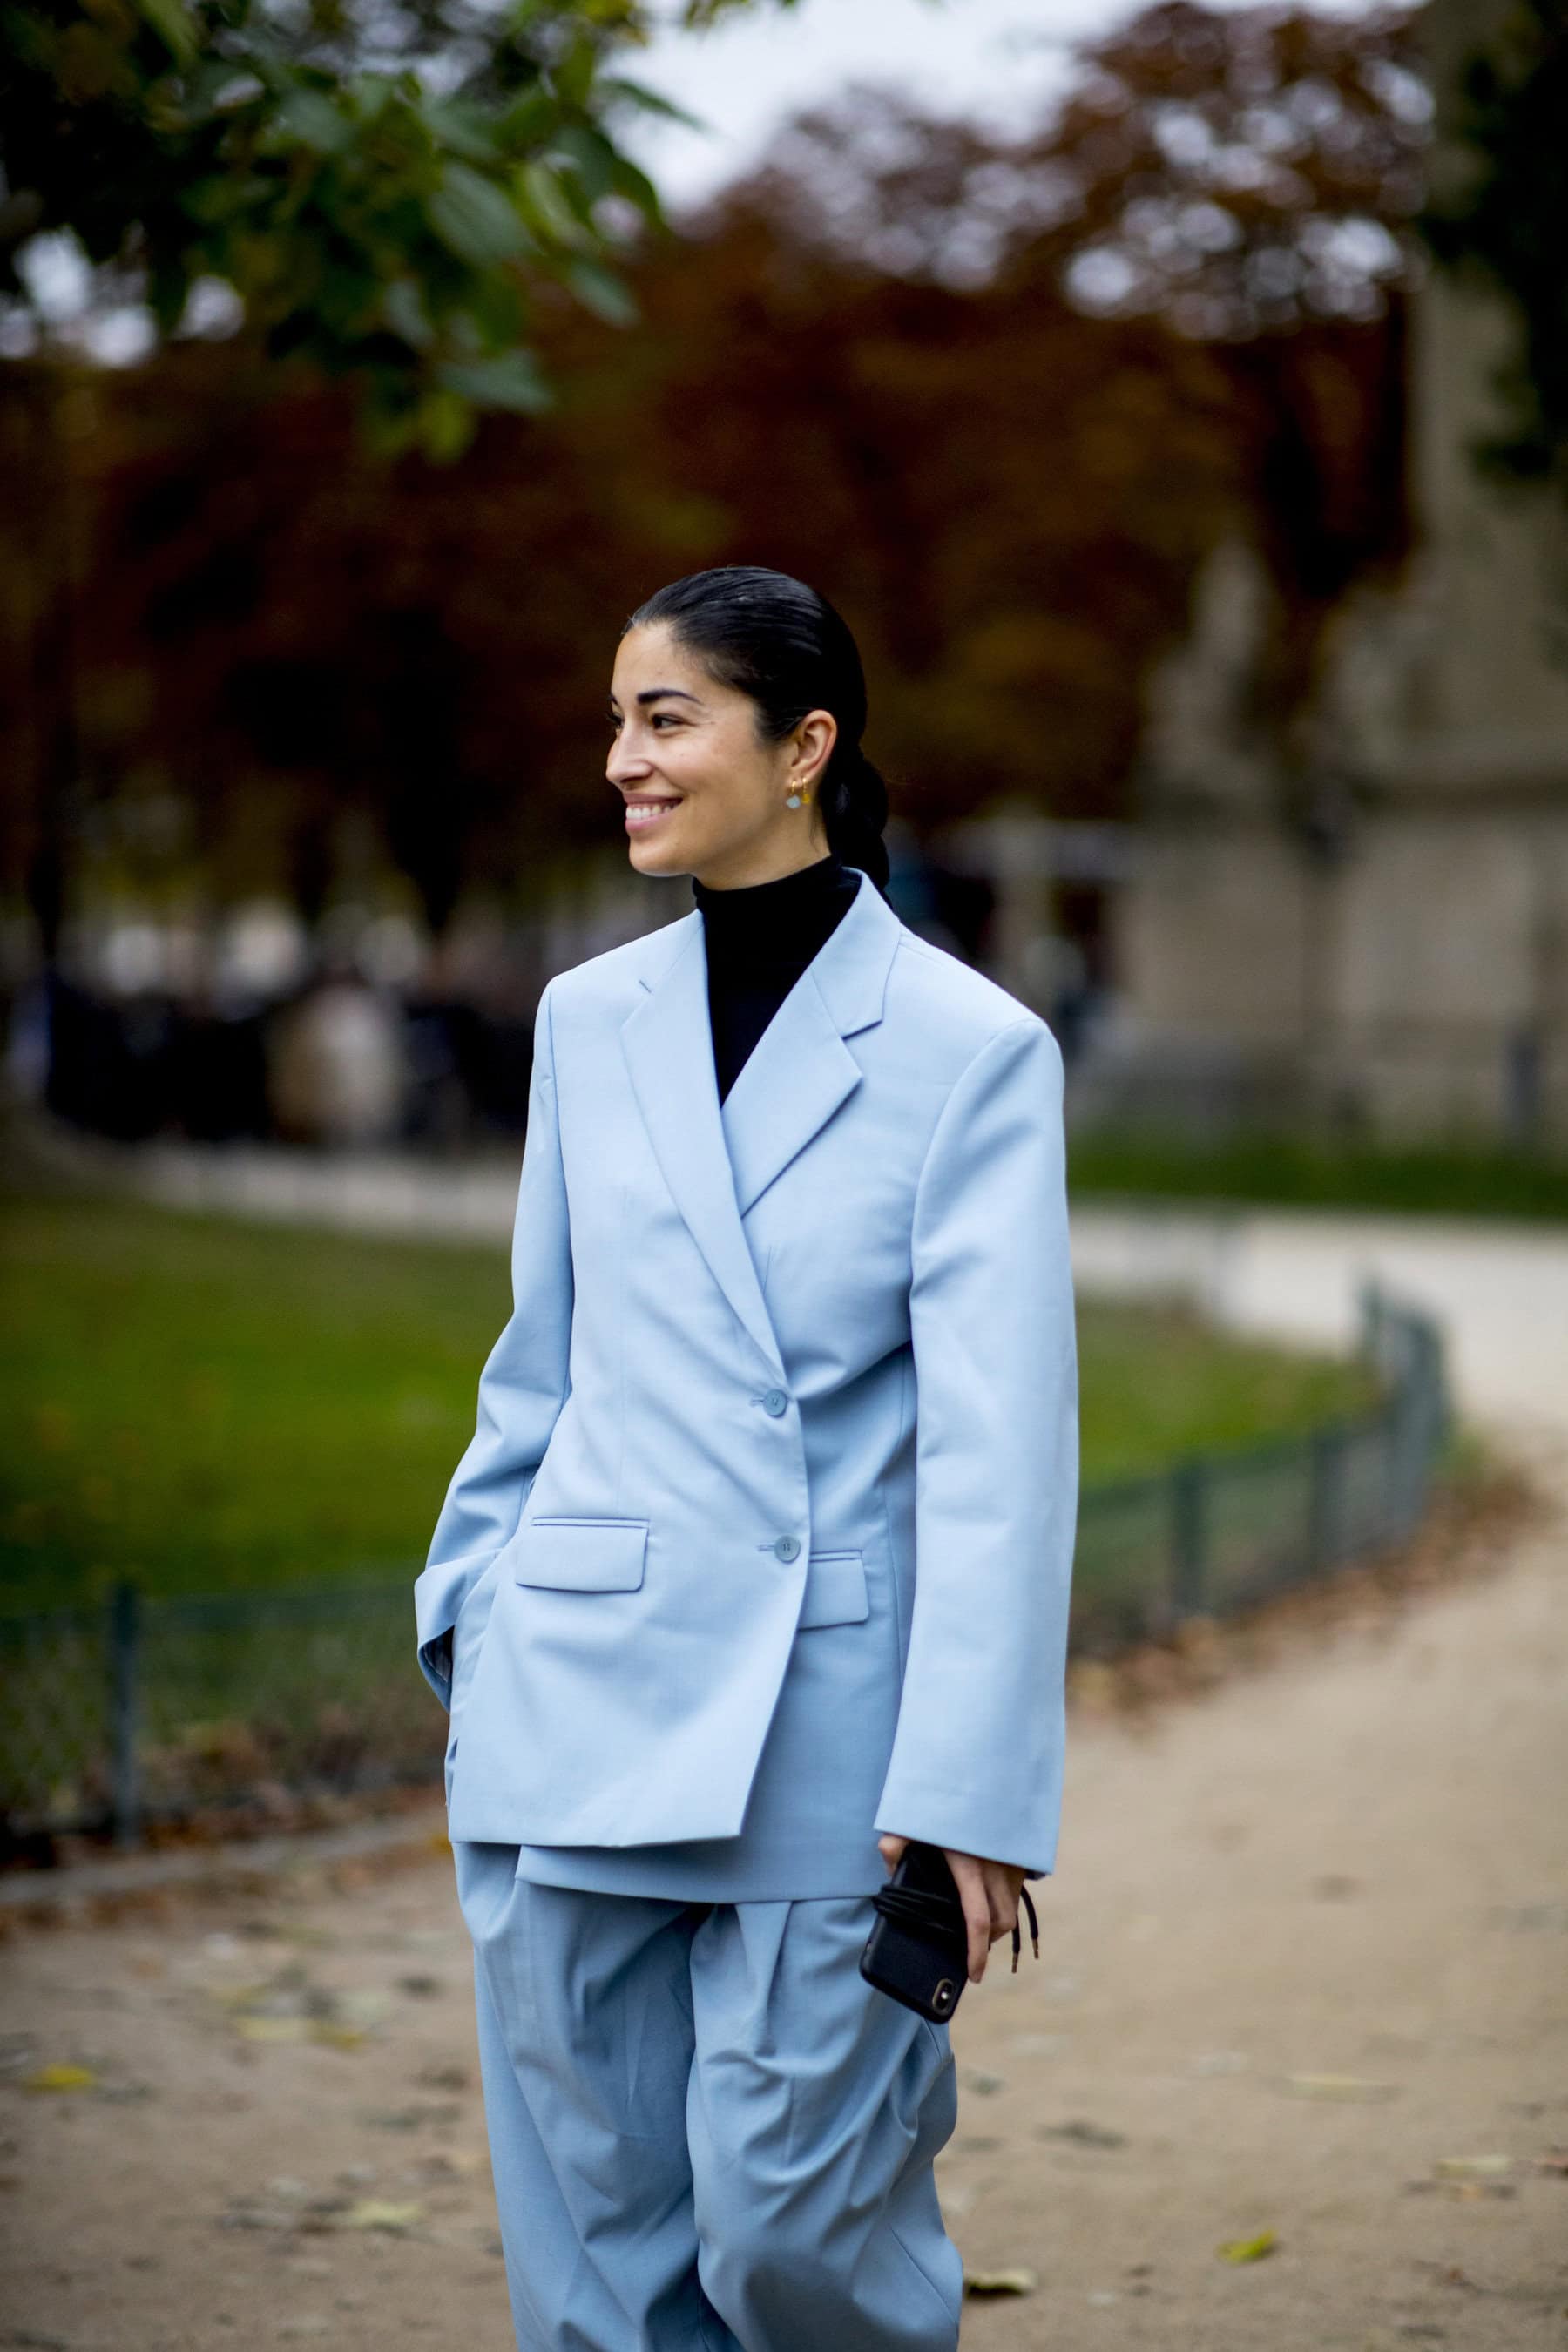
(989,1892)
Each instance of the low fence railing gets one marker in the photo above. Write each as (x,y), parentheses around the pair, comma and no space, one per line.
(155,1709)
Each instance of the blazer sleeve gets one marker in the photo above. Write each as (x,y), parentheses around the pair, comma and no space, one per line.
(977,1756)
(522,1387)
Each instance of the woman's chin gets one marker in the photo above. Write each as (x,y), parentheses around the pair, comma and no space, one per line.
(654,857)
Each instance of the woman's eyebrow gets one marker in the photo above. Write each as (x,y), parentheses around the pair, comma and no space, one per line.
(655,693)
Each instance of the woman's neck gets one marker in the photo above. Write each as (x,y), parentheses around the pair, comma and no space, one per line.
(761,919)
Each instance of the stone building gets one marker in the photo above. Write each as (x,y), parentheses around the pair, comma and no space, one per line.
(1398,968)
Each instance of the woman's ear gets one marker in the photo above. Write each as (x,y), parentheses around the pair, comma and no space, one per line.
(812,745)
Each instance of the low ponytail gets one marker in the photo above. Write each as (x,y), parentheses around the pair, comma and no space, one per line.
(853,800)
(776,639)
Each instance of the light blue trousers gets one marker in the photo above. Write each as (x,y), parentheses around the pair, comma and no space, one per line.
(706,2131)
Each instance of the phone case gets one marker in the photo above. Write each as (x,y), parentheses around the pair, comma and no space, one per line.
(917,1949)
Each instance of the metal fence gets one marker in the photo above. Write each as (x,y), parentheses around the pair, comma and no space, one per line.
(155,1709)
(1216,1532)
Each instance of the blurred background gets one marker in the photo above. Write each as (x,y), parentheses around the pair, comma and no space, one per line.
(1178,425)
(1174,398)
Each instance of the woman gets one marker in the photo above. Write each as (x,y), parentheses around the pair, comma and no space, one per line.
(791,1311)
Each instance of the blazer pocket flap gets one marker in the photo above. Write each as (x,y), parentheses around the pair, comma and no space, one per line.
(579,1555)
(835,1590)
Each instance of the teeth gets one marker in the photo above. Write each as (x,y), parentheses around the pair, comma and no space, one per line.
(649,812)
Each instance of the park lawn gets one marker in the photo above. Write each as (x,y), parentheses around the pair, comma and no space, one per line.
(204,1405)
(1479,1180)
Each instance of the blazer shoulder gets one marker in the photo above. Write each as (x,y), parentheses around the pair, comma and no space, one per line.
(954,1010)
(612,980)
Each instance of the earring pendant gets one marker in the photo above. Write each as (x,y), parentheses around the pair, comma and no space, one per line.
(794,801)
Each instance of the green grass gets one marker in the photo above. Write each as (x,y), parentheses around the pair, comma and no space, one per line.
(205,1405)
(1157,1382)
(1292,1171)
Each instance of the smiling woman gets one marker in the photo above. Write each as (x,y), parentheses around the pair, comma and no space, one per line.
(737,707)
(791,1311)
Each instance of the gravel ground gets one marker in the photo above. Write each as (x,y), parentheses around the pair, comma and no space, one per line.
(1304,1971)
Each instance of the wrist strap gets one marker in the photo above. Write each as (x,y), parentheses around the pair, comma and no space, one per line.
(927,1910)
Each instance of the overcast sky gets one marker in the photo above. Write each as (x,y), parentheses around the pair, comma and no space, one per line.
(1002,60)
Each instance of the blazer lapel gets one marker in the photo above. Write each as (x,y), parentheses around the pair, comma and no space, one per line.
(716,1161)
(800,1069)
(668,1041)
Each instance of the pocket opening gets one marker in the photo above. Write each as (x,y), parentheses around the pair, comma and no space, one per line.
(579,1555)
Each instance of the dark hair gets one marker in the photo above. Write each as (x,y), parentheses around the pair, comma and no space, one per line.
(778,640)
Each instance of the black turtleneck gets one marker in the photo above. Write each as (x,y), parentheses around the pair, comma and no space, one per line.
(760,939)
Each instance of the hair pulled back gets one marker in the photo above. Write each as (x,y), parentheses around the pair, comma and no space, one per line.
(772,638)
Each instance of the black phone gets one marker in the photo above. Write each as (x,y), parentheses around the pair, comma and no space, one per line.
(917,1949)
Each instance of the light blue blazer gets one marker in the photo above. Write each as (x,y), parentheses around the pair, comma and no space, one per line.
(762,1543)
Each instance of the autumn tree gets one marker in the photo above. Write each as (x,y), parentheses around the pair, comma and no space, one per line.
(970,386)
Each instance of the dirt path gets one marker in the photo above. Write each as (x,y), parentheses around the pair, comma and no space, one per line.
(1349,1863)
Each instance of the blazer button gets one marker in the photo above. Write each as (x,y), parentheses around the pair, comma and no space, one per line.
(787,1547)
(776,1402)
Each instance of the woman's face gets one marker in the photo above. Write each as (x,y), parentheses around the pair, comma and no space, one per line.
(704,794)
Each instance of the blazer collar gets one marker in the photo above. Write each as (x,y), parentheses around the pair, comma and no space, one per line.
(717,1157)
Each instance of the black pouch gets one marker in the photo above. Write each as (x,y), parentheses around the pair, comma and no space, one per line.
(917,1949)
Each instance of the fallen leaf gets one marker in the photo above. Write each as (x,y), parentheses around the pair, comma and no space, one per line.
(1337,2086)
(1018,2282)
(60,2077)
(1248,2250)
(377,2213)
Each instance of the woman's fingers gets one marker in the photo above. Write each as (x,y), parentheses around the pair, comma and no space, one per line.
(969,1875)
(988,1891)
(1003,1881)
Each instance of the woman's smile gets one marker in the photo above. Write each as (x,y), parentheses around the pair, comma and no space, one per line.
(642,813)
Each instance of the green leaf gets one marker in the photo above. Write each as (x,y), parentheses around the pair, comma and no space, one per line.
(474,219)
(599,290)
(404,310)
(171,20)
(634,183)
(168,287)
(495,306)
(529,121)
(511,380)
(307,118)
(574,74)
(461,131)
(445,423)
(593,156)
(539,190)
(1248,2250)
(648,101)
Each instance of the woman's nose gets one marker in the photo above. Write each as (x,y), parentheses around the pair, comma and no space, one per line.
(625,764)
